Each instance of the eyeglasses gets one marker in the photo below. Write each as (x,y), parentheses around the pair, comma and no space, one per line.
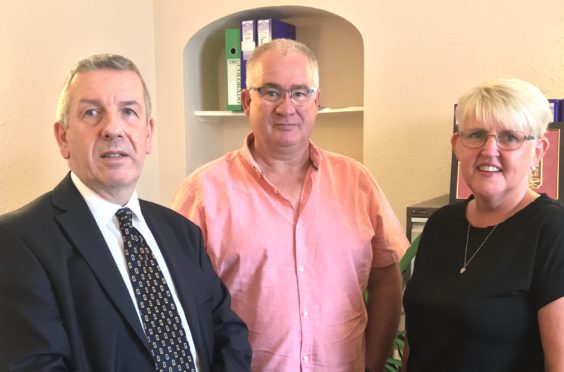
(274,93)
(506,139)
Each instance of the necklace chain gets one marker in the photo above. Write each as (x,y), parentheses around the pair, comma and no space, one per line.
(467,262)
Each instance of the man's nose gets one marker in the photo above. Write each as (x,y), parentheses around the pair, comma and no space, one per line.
(286,106)
(112,126)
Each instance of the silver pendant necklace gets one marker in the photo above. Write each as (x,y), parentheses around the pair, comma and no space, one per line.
(467,262)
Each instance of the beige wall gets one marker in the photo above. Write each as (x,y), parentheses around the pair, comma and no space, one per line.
(39,42)
(419,57)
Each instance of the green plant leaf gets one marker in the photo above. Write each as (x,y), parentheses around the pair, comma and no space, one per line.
(409,254)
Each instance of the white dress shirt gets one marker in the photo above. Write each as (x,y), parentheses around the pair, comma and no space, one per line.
(104,214)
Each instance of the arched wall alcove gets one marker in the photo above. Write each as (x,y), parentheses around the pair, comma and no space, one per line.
(211,132)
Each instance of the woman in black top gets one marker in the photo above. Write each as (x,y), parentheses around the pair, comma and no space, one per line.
(487,292)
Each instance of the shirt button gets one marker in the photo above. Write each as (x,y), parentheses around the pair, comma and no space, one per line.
(305,357)
(305,313)
(301,268)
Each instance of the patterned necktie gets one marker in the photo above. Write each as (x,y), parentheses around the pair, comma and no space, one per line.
(161,323)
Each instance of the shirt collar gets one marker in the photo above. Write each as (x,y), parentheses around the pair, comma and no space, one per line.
(315,153)
(247,152)
(103,210)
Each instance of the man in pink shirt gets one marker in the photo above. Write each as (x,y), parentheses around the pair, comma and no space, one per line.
(297,233)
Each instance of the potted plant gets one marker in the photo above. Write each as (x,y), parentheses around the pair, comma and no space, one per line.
(393,364)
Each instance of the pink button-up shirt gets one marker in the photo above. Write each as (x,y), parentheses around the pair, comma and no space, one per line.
(297,280)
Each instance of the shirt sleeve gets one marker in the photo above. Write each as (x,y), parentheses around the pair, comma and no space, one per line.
(188,201)
(548,279)
(389,242)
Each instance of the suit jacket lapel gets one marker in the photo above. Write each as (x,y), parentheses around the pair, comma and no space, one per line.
(79,224)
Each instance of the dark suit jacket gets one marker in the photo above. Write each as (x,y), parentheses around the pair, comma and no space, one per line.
(64,305)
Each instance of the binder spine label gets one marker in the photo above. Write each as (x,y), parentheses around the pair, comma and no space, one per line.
(233,82)
(233,69)
(264,31)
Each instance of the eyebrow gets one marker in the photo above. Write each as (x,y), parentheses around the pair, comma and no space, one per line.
(89,101)
(130,103)
(295,86)
(99,103)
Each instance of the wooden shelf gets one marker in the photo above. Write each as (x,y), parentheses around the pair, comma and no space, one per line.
(330,110)
(218,114)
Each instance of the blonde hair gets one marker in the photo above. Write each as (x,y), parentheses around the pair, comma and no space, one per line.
(509,103)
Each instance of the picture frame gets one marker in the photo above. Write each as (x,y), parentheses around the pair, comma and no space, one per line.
(546,179)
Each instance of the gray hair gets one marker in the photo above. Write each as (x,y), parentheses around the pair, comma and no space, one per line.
(285,47)
(93,63)
(510,103)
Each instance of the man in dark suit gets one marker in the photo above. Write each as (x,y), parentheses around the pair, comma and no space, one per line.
(91,277)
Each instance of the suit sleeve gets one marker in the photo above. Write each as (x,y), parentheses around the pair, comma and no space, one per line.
(32,336)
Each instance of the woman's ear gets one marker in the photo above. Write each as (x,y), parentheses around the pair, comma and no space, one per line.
(541,147)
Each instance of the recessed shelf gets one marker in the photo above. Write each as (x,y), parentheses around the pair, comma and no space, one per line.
(211,132)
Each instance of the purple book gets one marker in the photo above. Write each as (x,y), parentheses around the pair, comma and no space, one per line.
(248,44)
(272,28)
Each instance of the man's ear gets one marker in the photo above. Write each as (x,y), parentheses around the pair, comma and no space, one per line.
(61,137)
(246,101)
(149,137)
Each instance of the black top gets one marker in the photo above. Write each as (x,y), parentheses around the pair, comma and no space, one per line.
(486,318)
